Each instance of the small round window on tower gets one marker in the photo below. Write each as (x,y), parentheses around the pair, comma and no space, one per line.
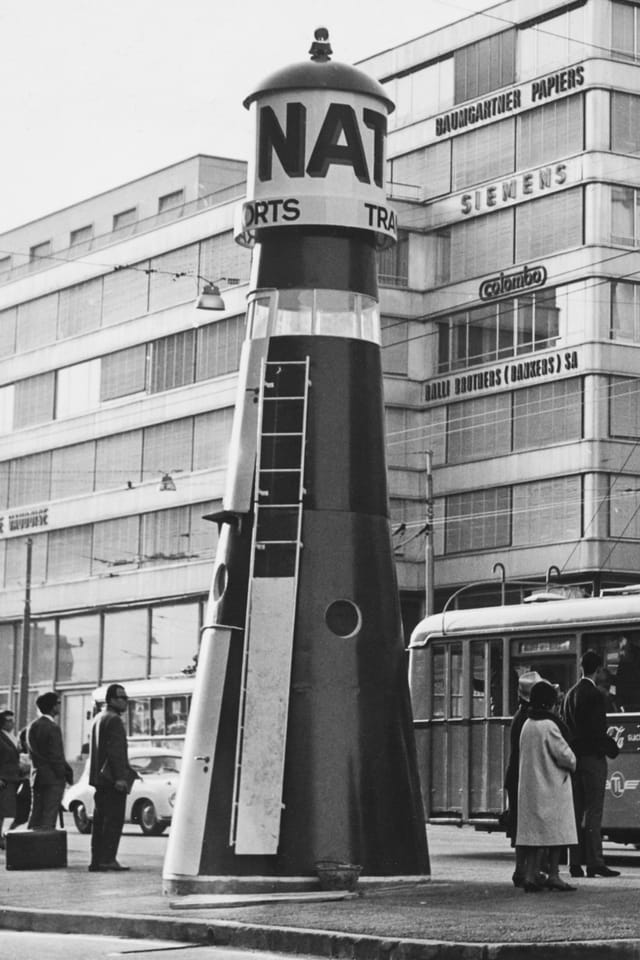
(343,618)
(220,582)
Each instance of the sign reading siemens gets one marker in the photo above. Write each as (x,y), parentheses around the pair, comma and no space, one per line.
(319,160)
(519,98)
(505,283)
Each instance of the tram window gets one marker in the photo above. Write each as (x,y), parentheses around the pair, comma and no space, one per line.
(486,678)
(177,713)
(139,720)
(455,681)
(157,716)
(620,651)
(418,682)
(438,688)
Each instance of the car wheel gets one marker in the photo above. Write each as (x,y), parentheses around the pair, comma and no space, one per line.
(150,824)
(81,818)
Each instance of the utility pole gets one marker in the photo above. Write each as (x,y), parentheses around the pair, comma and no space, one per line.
(428,565)
(23,701)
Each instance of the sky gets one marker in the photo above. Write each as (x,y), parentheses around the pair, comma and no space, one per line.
(96,93)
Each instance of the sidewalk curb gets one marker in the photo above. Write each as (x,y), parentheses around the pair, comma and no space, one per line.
(320,943)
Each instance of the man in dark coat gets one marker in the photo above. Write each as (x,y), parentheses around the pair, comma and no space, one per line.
(9,770)
(112,777)
(585,714)
(50,770)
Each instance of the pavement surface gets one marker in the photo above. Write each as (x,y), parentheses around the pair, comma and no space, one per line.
(468,909)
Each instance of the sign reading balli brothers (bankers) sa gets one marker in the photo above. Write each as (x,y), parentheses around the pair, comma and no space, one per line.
(517,372)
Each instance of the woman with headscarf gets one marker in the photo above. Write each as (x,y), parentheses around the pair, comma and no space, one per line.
(546,821)
(526,682)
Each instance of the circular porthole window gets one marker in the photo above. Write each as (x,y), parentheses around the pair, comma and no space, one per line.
(343,618)
(220,582)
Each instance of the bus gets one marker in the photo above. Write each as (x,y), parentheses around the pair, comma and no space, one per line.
(157,710)
(464,667)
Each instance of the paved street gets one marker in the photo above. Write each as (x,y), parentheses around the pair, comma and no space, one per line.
(60,946)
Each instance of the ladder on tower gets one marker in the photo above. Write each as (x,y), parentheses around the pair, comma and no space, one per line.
(273,580)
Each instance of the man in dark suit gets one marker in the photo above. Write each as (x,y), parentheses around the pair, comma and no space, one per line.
(112,777)
(9,770)
(585,714)
(50,770)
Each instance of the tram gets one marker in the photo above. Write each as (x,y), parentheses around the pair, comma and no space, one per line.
(464,667)
(157,710)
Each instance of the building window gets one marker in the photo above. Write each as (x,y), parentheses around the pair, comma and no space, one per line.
(221,256)
(172,361)
(168,447)
(395,346)
(421,93)
(485,66)
(475,247)
(30,479)
(165,535)
(173,278)
(118,460)
(624,408)
(203,534)
(553,41)
(549,132)
(41,251)
(123,373)
(78,389)
(625,123)
(625,311)
(174,639)
(549,225)
(624,516)
(70,553)
(116,545)
(80,308)
(78,650)
(478,520)
(484,154)
(625,32)
(81,235)
(547,511)
(211,437)
(170,200)
(422,174)
(5,266)
(126,645)
(33,402)
(42,659)
(126,294)
(393,263)
(7,405)
(624,216)
(16,557)
(219,346)
(8,331)
(547,414)
(479,428)
(506,328)
(72,470)
(36,323)
(405,442)
(126,218)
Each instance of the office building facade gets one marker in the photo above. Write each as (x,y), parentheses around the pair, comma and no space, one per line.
(514,159)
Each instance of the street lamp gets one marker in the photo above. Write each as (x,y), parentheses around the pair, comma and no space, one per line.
(210,298)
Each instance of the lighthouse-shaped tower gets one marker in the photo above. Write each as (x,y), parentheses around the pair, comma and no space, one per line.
(300,745)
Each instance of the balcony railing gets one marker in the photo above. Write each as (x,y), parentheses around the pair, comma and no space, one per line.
(78,250)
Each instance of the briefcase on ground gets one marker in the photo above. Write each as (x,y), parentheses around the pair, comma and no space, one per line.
(36,849)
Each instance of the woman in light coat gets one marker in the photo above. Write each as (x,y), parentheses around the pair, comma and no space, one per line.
(545,798)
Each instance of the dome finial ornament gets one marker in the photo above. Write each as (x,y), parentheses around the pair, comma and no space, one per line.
(320,49)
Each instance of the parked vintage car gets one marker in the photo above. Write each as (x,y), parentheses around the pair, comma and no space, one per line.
(150,803)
